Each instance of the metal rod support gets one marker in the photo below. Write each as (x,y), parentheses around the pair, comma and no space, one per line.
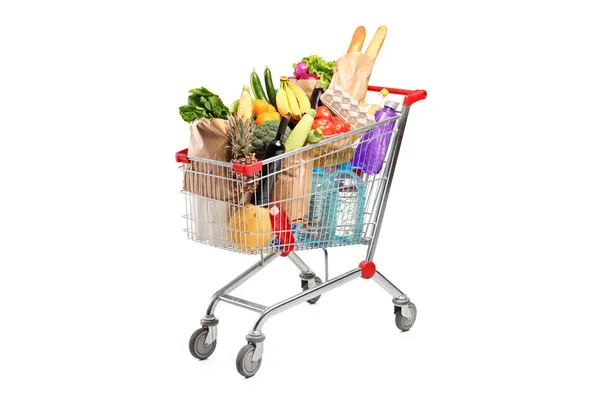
(304,296)
(243,277)
(386,193)
(387,285)
(247,304)
(298,262)
(326,264)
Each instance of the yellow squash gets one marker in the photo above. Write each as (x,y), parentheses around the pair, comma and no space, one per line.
(251,226)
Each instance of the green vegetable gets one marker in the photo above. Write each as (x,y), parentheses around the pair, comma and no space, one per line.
(202,103)
(270,87)
(314,136)
(264,134)
(257,88)
(300,133)
(321,68)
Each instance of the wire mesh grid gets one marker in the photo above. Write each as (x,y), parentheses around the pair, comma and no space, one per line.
(330,193)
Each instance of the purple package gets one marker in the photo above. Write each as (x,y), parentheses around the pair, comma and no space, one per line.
(372,149)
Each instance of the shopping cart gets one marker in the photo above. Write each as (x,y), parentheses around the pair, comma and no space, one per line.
(321,197)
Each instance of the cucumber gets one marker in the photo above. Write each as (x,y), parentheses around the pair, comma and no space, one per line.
(257,89)
(270,88)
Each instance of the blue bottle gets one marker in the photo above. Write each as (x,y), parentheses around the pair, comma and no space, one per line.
(318,224)
(351,198)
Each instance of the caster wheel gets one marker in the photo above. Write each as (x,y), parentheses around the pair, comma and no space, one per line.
(244,363)
(197,346)
(305,287)
(404,323)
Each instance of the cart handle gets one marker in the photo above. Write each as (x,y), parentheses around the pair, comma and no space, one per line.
(410,96)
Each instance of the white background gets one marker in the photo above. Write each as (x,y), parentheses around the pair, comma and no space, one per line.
(492,227)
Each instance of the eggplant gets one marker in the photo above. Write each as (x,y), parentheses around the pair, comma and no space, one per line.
(315,98)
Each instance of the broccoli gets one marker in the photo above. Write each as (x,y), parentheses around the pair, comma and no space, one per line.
(264,134)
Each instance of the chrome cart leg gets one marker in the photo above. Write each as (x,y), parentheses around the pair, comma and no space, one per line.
(250,356)
(404,309)
(204,340)
(326,264)
(308,279)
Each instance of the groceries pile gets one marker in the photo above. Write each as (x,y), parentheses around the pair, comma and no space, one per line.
(315,198)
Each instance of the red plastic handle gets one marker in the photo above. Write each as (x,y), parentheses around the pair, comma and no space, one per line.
(181,156)
(247,169)
(410,96)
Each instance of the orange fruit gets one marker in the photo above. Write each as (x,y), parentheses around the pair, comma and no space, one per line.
(271,108)
(267,116)
(259,107)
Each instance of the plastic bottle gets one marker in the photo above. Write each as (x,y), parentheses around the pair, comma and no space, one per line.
(351,197)
(379,101)
(317,226)
(372,149)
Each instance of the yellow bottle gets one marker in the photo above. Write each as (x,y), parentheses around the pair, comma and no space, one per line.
(379,101)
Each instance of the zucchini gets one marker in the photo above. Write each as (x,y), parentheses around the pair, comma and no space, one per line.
(314,136)
(300,132)
(270,87)
(257,89)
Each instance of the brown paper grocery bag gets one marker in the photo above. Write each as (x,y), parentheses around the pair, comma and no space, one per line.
(208,139)
(293,185)
(335,153)
(306,85)
(352,73)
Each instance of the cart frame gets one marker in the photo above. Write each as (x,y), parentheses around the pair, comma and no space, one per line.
(203,342)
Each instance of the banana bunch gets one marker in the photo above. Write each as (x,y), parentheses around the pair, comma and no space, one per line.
(291,100)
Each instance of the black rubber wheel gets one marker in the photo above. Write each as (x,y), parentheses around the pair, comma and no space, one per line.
(198,347)
(305,287)
(403,323)
(244,363)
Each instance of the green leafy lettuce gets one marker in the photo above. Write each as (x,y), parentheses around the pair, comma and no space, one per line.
(202,103)
(323,69)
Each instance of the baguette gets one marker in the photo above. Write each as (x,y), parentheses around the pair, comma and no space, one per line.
(376,42)
(357,40)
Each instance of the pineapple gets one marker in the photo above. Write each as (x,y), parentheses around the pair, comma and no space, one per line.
(239,132)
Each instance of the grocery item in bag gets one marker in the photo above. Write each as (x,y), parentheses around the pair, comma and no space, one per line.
(208,139)
(292,186)
(352,71)
(208,221)
(308,85)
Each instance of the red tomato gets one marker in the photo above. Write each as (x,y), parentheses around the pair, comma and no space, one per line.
(325,125)
(323,113)
(340,126)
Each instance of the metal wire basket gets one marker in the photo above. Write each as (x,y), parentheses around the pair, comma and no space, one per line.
(324,192)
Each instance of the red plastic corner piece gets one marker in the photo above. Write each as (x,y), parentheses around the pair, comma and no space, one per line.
(412,98)
(368,269)
(247,169)
(181,156)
